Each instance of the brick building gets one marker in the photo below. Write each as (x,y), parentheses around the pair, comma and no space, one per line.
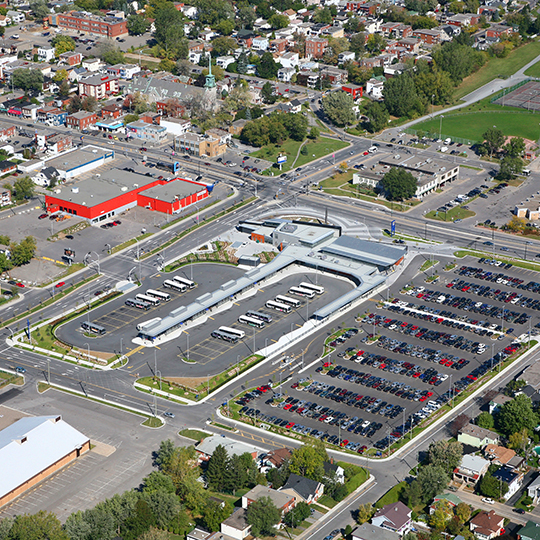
(82,21)
(315,47)
(98,86)
(81,120)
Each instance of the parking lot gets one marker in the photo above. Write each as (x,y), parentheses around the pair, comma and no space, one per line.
(402,362)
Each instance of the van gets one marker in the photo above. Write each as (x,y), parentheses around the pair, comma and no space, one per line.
(372,149)
(443,148)
(526,172)
(441,299)
(447,141)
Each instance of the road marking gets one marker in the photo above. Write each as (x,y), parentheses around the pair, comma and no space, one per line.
(138,349)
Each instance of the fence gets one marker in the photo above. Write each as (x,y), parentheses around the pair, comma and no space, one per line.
(430,134)
(506,91)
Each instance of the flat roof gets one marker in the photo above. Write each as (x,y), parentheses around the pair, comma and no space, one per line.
(77,158)
(176,189)
(418,163)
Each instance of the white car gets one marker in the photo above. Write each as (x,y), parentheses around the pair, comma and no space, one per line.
(487,500)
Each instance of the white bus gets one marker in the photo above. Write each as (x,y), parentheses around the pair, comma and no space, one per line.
(311,287)
(175,285)
(144,324)
(148,299)
(232,331)
(217,334)
(278,306)
(159,295)
(301,292)
(93,327)
(139,304)
(188,283)
(288,300)
(257,323)
(259,315)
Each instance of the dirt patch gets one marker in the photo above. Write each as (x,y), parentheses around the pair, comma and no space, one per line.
(188,382)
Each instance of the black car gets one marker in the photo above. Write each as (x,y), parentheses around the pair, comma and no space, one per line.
(518,510)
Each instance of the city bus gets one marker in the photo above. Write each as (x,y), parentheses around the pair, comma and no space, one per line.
(225,337)
(310,287)
(139,304)
(301,292)
(165,297)
(148,299)
(93,327)
(278,306)
(144,324)
(232,331)
(175,285)
(188,283)
(257,323)
(258,315)
(288,300)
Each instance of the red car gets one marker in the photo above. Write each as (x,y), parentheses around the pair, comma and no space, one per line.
(43,216)
(21,285)
(61,284)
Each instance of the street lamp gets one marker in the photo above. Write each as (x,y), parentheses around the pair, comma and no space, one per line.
(87,351)
(440,127)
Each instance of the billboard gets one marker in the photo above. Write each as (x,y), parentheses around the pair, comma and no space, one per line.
(393,227)
(282,159)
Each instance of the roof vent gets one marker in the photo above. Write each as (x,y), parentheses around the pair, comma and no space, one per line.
(75,189)
(123,188)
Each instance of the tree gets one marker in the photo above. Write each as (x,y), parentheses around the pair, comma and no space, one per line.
(263,515)
(39,9)
(445,454)
(365,513)
(60,75)
(338,107)
(458,58)
(413,494)
(322,16)
(267,93)
(375,43)
(314,133)
(110,53)
(24,251)
(519,440)
(267,68)
(154,534)
(137,24)
(492,487)
(211,12)
(27,79)
(308,461)
(277,21)
(515,415)
(23,188)
(378,116)
(214,514)
(140,522)
(167,65)
(432,480)
(400,96)
(43,525)
(62,44)
(222,46)
(399,184)
(358,43)
(5,527)
(485,420)
(493,140)
(75,104)
(169,28)
(158,481)
(441,514)
(89,103)
(463,512)
(183,67)
(216,472)
(299,513)
(245,15)
(515,147)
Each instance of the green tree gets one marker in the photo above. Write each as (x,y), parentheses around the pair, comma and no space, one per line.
(158,481)
(485,420)
(492,487)
(515,147)
(4,240)
(110,53)
(64,89)
(400,95)
(89,103)
(183,67)
(163,505)
(27,79)
(365,513)
(267,92)
(509,168)
(263,515)
(214,514)
(211,12)
(299,513)
(225,27)
(155,534)
(515,415)
(446,454)
(375,43)
(5,525)
(60,75)
(62,44)
(441,515)
(24,251)
(519,440)
(137,25)
(245,15)
(399,184)
(457,58)
(39,9)
(216,472)
(314,133)
(378,116)
(322,16)
(277,21)
(432,479)
(40,526)
(338,107)
(308,461)
(278,477)
(23,188)
(140,522)
(267,68)
(222,46)
(462,512)
(358,43)
(493,140)
(75,104)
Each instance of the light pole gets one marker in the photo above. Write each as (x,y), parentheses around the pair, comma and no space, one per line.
(238,364)
(440,127)
(137,248)
(187,337)
(432,96)
(121,346)
(159,378)
(87,351)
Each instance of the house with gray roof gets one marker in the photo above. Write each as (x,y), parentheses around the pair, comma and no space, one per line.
(367,531)
(207,447)
(395,517)
(303,489)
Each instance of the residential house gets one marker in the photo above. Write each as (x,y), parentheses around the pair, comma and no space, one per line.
(17,17)
(334,471)
(195,56)
(498,455)
(498,401)
(260,43)
(7,132)
(512,478)
(45,176)
(499,31)
(71,58)
(346,56)
(52,116)
(472,468)
(428,36)
(237,126)
(170,107)
(533,490)
(476,436)
(98,86)
(113,110)
(7,167)
(334,74)
(411,44)
(295,106)
(373,62)
(450,498)
(375,87)
(367,531)
(285,74)
(334,32)
(146,132)
(303,489)
(224,61)
(281,500)
(45,53)
(5,197)
(198,534)
(59,143)
(150,117)
(395,517)
(236,525)
(279,45)
(4,20)
(92,64)
(487,525)
(81,120)
(463,20)
(206,447)
(176,126)
(354,89)
(315,47)
(274,459)
(289,59)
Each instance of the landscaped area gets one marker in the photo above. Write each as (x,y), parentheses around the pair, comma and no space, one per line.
(315,149)
(452,215)
(533,71)
(499,67)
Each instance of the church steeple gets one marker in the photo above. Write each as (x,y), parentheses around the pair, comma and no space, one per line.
(210,79)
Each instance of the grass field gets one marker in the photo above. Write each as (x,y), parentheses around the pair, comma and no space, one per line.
(498,67)
(533,71)
(451,215)
(316,149)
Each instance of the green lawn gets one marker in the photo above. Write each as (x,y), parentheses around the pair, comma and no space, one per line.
(451,215)
(194,434)
(534,71)
(316,149)
(499,67)
(392,495)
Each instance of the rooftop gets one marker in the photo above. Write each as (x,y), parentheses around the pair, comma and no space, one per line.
(76,158)
(280,499)
(174,190)
(209,444)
